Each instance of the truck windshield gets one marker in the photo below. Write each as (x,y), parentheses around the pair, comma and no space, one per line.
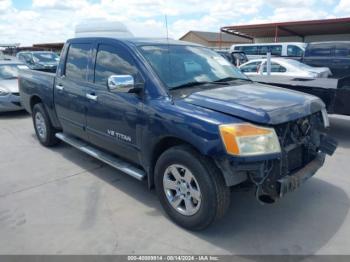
(45,57)
(10,71)
(179,65)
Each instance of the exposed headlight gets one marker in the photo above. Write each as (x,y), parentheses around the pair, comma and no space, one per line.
(249,140)
(4,91)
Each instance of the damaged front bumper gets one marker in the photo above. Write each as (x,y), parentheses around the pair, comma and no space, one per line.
(276,175)
(291,182)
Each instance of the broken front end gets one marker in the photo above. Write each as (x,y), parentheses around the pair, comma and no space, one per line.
(303,145)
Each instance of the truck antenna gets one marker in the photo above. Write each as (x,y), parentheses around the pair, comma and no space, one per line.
(166,26)
(168,46)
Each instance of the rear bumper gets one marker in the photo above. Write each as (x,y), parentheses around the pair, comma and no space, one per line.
(291,182)
(10,103)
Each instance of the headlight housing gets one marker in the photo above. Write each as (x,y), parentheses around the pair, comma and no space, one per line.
(249,140)
(4,91)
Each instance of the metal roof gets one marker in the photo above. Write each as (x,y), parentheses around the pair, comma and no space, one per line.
(138,41)
(158,41)
(215,37)
(297,28)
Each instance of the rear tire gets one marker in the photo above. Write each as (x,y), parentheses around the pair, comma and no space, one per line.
(44,130)
(190,188)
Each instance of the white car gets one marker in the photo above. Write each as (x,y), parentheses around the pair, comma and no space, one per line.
(284,67)
(260,50)
(9,93)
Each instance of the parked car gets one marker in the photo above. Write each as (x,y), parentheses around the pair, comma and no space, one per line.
(334,55)
(4,57)
(9,92)
(39,60)
(235,58)
(180,116)
(293,50)
(284,67)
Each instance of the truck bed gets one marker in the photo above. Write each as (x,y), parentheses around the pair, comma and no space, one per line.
(33,84)
(335,93)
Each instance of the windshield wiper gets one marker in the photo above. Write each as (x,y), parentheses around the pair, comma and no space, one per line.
(230,78)
(196,83)
(189,84)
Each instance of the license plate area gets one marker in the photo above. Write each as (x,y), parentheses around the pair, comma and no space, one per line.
(294,158)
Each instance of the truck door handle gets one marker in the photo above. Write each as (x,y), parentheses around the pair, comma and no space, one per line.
(91,97)
(59,87)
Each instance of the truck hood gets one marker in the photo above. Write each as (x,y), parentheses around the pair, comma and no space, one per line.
(257,102)
(10,84)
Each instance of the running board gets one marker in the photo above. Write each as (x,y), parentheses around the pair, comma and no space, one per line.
(103,156)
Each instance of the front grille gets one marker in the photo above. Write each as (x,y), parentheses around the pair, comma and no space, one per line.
(15,94)
(295,159)
(299,141)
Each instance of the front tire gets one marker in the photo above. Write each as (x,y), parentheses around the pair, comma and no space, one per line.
(44,130)
(190,188)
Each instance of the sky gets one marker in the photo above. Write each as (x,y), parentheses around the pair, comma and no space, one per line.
(46,21)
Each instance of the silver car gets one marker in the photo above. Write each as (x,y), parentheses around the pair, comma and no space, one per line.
(9,92)
(284,67)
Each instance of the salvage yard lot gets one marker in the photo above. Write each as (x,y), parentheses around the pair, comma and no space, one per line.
(61,201)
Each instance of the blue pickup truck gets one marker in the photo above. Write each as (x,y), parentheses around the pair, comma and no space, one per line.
(181,117)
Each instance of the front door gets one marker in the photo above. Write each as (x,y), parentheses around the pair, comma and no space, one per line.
(114,118)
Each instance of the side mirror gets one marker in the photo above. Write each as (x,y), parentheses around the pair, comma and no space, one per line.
(122,84)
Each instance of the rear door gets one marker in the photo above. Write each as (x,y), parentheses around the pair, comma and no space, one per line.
(70,89)
(113,118)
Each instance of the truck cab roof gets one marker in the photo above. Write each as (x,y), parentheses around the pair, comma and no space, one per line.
(138,41)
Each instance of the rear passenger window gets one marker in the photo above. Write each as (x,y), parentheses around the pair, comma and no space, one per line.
(273,49)
(293,50)
(342,50)
(275,68)
(263,50)
(250,50)
(111,61)
(319,50)
(276,50)
(77,61)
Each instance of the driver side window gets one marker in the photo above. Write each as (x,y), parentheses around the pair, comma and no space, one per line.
(111,61)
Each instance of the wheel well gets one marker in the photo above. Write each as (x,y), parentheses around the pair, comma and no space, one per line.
(34,100)
(159,149)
